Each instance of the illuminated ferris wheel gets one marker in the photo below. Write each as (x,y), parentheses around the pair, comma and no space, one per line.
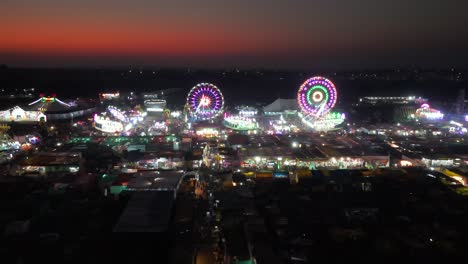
(205,101)
(317,96)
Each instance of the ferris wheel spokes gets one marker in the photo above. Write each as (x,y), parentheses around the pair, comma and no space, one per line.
(205,101)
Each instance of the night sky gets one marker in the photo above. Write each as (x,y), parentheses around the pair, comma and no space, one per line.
(241,33)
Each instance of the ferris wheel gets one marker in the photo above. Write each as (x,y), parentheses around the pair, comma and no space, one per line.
(317,96)
(205,101)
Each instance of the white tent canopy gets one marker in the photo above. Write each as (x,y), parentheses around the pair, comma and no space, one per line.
(281,105)
(18,114)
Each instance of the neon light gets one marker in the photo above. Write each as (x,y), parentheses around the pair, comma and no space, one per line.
(110,96)
(117,113)
(38,100)
(205,101)
(106,125)
(324,123)
(240,123)
(456,123)
(425,106)
(425,112)
(154,109)
(62,102)
(48,99)
(317,96)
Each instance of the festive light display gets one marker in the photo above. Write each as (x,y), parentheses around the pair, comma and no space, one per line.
(9,144)
(205,101)
(428,113)
(324,123)
(48,99)
(240,123)
(109,96)
(117,113)
(155,105)
(108,126)
(317,96)
(247,111)
(207,132)
(18,114)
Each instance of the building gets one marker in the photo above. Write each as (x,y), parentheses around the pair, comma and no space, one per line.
(393,100)
(155,105)
(49,163)
(55,109)
(151,203)
(379,109)
(18,114)
(281,106)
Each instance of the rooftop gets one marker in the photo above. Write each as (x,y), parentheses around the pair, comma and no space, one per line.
(146,212)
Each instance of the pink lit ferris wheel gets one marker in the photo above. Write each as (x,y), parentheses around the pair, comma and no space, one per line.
(317,96)
(205,101)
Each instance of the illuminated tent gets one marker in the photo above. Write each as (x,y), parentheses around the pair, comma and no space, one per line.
(18,114)
(55,109)
(49,104)
(426,112)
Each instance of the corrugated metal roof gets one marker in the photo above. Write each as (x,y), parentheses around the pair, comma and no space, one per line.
(150,205)
(147,212)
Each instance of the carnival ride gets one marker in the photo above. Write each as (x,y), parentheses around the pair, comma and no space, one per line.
(240,123)
(107,125)
(316,98)
(205,102)
(117,114)
(428,113)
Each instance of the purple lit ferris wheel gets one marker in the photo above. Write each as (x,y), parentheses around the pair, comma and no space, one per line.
(205,101)
(317,96)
